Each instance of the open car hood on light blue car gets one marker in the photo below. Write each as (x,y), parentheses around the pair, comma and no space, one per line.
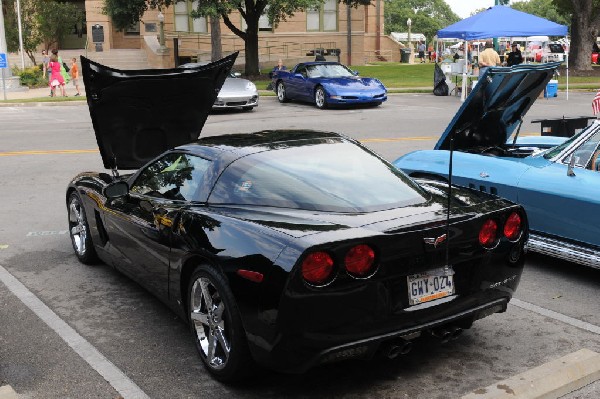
(495,107)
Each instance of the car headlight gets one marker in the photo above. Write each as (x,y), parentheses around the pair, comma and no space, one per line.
(250,86)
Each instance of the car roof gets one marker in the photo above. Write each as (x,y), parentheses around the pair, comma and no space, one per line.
(230,147)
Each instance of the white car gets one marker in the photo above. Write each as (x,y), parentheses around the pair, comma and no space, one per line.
(235,93)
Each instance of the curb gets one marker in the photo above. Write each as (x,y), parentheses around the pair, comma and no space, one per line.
(550,380)
(6,392)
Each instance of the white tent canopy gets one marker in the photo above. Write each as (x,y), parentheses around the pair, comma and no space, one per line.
(403,37)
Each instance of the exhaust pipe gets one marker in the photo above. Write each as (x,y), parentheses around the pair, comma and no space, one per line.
(455,332)
(442,333)
(447,334)
(397,347)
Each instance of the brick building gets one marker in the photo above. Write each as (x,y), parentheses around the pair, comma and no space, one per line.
(292,40)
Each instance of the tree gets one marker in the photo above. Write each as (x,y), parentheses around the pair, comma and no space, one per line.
(585,24)
(427,16)
(544,9)
(42,21)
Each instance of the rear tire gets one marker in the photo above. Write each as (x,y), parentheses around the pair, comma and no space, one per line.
(320,98)
(217,326)
(281,95)
(79,231)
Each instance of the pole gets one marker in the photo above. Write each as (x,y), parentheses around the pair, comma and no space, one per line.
(20,34)
(378,28)
(349,32)
(464,76)
(3,81)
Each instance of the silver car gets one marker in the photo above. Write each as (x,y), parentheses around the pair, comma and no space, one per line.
(235,93)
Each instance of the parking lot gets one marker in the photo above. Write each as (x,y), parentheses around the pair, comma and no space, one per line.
(92,322)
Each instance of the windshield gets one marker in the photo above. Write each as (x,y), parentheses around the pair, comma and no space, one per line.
(328,71)
(551,153)
(334,176)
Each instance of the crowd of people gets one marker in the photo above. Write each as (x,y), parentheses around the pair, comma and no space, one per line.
(59,73)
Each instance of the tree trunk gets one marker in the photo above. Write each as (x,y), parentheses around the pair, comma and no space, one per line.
(251,47)
(583,35)
(216,48)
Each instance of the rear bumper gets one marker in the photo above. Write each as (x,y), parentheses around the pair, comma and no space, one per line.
(296,354)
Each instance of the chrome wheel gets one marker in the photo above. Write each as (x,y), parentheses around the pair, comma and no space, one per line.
(79,230)
(281,96)
(207,313)
(77,226)
(320,101)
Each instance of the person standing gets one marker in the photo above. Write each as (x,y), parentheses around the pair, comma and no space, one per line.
(488,58)
(514,57)
(75,75)
(56,78)
(45,70)
(421,50)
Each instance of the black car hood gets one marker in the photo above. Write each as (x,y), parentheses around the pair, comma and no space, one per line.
(499,100)
(138,114)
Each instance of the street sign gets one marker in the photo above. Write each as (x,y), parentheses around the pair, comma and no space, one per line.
(3,61)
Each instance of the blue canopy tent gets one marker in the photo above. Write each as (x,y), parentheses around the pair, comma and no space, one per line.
(503,21)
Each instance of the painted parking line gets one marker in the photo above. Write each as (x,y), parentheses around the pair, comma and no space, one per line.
(111,373)
(46,233)
(556,316)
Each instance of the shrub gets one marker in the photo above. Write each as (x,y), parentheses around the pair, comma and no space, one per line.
(32,76)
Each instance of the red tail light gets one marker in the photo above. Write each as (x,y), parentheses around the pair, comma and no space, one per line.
(317,268)
(512,227)
(359,260)
(488,232)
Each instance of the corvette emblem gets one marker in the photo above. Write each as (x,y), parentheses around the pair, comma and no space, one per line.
(435,241)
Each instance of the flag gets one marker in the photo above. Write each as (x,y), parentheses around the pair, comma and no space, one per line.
(596,103)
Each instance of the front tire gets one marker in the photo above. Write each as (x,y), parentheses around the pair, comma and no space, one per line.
(217,326)
(79,231)
(320,98)
(281,94)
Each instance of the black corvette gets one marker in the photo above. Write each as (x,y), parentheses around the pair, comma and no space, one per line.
(288,248)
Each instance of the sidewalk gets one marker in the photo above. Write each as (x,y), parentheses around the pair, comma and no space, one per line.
(43,92)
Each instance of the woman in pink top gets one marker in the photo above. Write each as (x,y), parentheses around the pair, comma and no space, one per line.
(56,78)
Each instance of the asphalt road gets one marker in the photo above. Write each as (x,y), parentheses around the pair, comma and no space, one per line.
(93,333)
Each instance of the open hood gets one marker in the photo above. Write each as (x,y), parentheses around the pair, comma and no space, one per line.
(138,114)
(499,100)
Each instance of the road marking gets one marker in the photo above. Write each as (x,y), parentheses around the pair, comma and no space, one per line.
(46,233)
(3,246)
(372,140)
(556,316)
(44,152)
(111,373)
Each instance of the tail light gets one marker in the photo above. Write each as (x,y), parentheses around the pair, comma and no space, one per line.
(512,227)
(488,232)
(317,268)
(359,260)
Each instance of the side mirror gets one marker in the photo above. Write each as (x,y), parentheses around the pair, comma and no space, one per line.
(355,73)
(299,75)
(116,190)
(237,74)
(570,171)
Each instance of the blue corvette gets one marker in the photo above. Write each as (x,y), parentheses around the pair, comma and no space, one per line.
(326,84)
(557,181)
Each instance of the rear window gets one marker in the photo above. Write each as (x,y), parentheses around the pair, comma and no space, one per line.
(336,177)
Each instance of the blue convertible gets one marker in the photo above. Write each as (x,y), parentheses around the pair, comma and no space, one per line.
(557,181)
(326,84)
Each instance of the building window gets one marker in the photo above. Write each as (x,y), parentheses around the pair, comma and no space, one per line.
(263,22)
(133,29)
(184,22)
(323,18)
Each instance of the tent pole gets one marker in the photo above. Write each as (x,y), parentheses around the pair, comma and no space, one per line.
(567,56)
(464,77)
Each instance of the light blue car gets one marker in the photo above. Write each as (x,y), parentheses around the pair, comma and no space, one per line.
(557,180)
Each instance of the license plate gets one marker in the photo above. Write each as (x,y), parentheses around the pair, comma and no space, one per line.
(430,285)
